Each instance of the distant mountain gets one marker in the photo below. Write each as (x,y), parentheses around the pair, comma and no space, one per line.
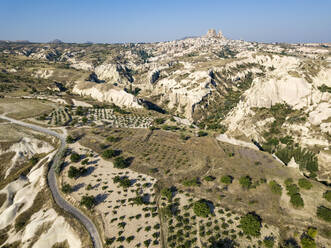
(56,41)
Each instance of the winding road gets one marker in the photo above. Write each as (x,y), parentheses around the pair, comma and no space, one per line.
(51,177)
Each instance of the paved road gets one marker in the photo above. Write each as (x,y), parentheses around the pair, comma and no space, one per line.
(51,177)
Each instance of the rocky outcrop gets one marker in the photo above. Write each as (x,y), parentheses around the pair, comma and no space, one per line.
(106,93)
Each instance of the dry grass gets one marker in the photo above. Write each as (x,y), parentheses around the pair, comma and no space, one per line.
(19,108)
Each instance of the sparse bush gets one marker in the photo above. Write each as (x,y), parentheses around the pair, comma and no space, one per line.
(245,182)
(275,187)
(167,192)
(226,179)
(269,242)
(304,183)
(191,182)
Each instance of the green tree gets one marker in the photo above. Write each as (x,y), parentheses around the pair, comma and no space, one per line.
(110,153)
(70,139)
(120,162)
(251,224)
(74,157)
(201,208)
(324,213)
(66,188)
(88,201)
(296,200)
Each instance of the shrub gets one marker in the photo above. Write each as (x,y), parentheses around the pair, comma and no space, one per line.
(297,200)
(166,192)
(66,188)
(88,201)
(304,183)
(70,139)
(202,133)
(324,213)
(288,181)
(113,139)
(120,163)
(269,242)
(85,161)
(74,172)
(110,153)
(245,182)
(191,182)
(125,182)
(292,189)
(251,224)
(74,157)
(327,195)
(201,208)
(159,121)
(209,178)
(110,241)
(312,232)
(226,179)
(307,242)
(275,187)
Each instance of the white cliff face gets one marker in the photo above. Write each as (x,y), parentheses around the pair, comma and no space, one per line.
(25,149)
(108,72)
(104,93)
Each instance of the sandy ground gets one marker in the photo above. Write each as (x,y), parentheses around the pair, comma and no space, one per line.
(113,200)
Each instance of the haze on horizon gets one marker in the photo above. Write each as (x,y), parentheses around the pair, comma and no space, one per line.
(150,21)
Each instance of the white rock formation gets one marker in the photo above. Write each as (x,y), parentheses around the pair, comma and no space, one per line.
(105,93)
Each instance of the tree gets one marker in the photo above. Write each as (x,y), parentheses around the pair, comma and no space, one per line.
(202,133)
(88,201)
(297,200)
(304,183)
(121,162)
(66,188)
(327,195)
(74,172)
(324,213)
(307,242)
(226,179)
(110,153)
(245,182)
(70,139)
(201,208)
(251,224)
(74,157)
(275,187)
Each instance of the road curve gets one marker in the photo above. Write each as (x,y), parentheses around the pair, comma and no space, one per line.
(51,177)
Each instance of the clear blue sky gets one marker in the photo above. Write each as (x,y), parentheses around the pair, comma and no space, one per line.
(159,20)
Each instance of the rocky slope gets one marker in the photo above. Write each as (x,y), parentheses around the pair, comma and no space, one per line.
(265,92)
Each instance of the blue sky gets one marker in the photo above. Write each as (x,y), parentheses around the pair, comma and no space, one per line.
(147,21)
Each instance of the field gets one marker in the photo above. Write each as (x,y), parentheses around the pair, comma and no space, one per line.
(24,108)
(196,166)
